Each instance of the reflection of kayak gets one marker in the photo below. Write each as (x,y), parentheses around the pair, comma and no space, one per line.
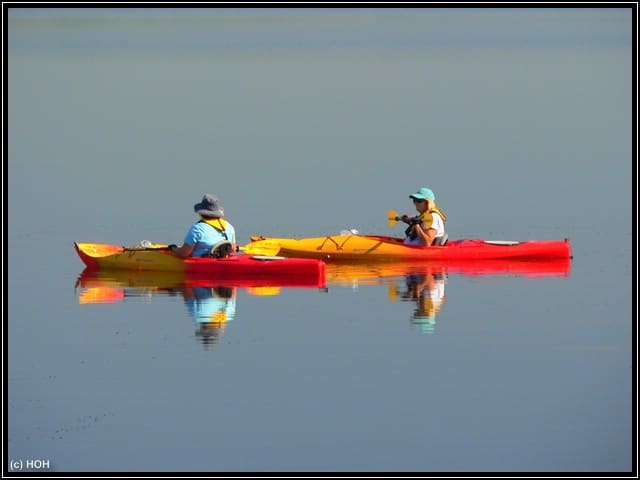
(234,267)
(107,285)
(146,278)
(380,248)
(343,273)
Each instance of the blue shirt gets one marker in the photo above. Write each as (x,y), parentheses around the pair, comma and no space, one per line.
(202,237)
(208,308)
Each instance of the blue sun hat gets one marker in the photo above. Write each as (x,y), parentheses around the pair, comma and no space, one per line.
(424,194)
(209,207)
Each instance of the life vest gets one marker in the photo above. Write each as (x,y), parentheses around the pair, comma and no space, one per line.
(220,224)
(425,220)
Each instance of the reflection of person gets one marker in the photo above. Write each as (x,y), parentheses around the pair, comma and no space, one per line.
(428,291)
(211,308)
(211,230)
(428,227)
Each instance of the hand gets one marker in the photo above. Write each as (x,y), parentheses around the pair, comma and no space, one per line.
(409,220)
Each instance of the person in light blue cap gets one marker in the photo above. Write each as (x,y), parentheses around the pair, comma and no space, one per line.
(427,228)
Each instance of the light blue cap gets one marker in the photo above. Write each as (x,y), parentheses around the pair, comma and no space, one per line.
(424,194)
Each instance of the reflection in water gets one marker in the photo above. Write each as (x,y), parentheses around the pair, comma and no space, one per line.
(428,292)
(211,302)
(424,283)
(211,308)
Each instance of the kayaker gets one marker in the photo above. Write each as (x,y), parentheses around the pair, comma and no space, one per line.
(211,230)
(428,227)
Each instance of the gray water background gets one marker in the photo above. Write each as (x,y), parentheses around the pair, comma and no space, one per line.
(306,122)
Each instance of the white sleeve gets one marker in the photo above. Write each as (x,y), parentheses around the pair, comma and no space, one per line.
(438,225)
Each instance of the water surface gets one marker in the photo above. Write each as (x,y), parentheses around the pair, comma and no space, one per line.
(306,122)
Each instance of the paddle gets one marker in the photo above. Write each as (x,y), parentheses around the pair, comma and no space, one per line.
(146,247)
(393,218)
(253,248)
(261,247)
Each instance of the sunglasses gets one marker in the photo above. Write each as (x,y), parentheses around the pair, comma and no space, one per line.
(418,200)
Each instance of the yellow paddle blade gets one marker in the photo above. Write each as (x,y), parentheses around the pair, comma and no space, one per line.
(392,218)
(392,293)
(261,247)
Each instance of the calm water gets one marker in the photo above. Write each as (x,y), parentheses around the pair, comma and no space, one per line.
(306,122)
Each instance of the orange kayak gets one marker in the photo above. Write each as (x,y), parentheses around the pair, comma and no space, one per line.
(366,248)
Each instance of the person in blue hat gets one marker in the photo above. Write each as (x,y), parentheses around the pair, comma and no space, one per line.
(212,235)
(427,228)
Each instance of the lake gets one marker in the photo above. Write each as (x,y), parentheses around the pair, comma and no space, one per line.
(307,122)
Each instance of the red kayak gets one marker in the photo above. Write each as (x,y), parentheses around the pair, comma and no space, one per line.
(238,266)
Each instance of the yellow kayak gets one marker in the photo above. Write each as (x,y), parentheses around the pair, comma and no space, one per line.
(157,257)
(366,248)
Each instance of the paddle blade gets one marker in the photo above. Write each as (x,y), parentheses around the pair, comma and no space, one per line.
(261,247)
(392,293)
(392,218)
